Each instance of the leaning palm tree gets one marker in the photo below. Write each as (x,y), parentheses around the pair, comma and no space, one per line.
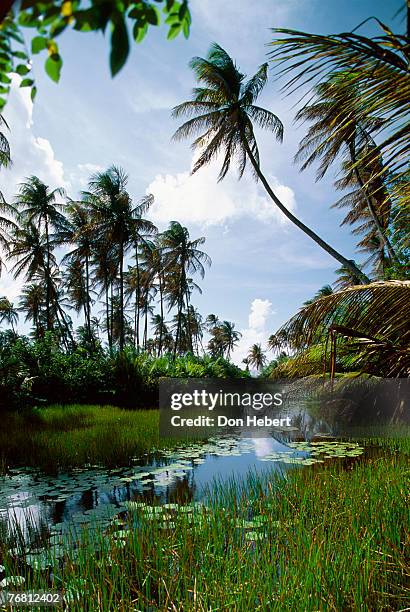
(223,112)
(38,205)
(256,357)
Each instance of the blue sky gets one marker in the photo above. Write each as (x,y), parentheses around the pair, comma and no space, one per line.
(263,268)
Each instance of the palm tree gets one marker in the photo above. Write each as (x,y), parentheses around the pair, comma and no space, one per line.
(229,337)
(344,279)
(104,262)
(79,232)
(8,313)
(225,108)
(181,256)
(143,230)
(37,204)
(322,292)
(32,302)
(256,357)
(160,330)
(113,218)
(211,322)
(77,291)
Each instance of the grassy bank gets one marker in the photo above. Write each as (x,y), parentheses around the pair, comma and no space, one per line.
(77,435)
(323,539)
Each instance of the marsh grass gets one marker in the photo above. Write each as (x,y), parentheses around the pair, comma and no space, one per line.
(317,539)
(78,435)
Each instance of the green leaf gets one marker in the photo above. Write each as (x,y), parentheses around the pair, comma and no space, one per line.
(174,30)
(139,32)
(2,103)
(4,78)
(38,44)
(120,46)
(22,69)
(53,66)
(27,20)
(27,83)
(153,15)
(20,55)
(33,93)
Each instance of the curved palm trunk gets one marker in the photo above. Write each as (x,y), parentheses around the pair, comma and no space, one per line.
(349,264)
(371,209)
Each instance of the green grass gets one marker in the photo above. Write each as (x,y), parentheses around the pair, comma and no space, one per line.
(319,539)
(77,435)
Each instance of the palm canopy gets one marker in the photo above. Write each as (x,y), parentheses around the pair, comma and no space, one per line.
(224,110)
(5,159)
(181,253)
(37,202)
(256,356)
(379,68)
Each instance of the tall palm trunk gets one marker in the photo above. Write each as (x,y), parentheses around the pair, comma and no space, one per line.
(137,298)
(107,309)
(349,264)
(180,307)
(161,305)
(48,277)
(88,299)
(121,262)
(191,348)
(380,230)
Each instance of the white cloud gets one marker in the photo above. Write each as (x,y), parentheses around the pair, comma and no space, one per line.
(201,200)
(257,331)
(30,154)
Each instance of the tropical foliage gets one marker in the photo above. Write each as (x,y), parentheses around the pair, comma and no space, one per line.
(51,18)
(367,327)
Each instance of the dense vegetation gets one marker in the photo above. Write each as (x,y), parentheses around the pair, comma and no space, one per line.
(39,372)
